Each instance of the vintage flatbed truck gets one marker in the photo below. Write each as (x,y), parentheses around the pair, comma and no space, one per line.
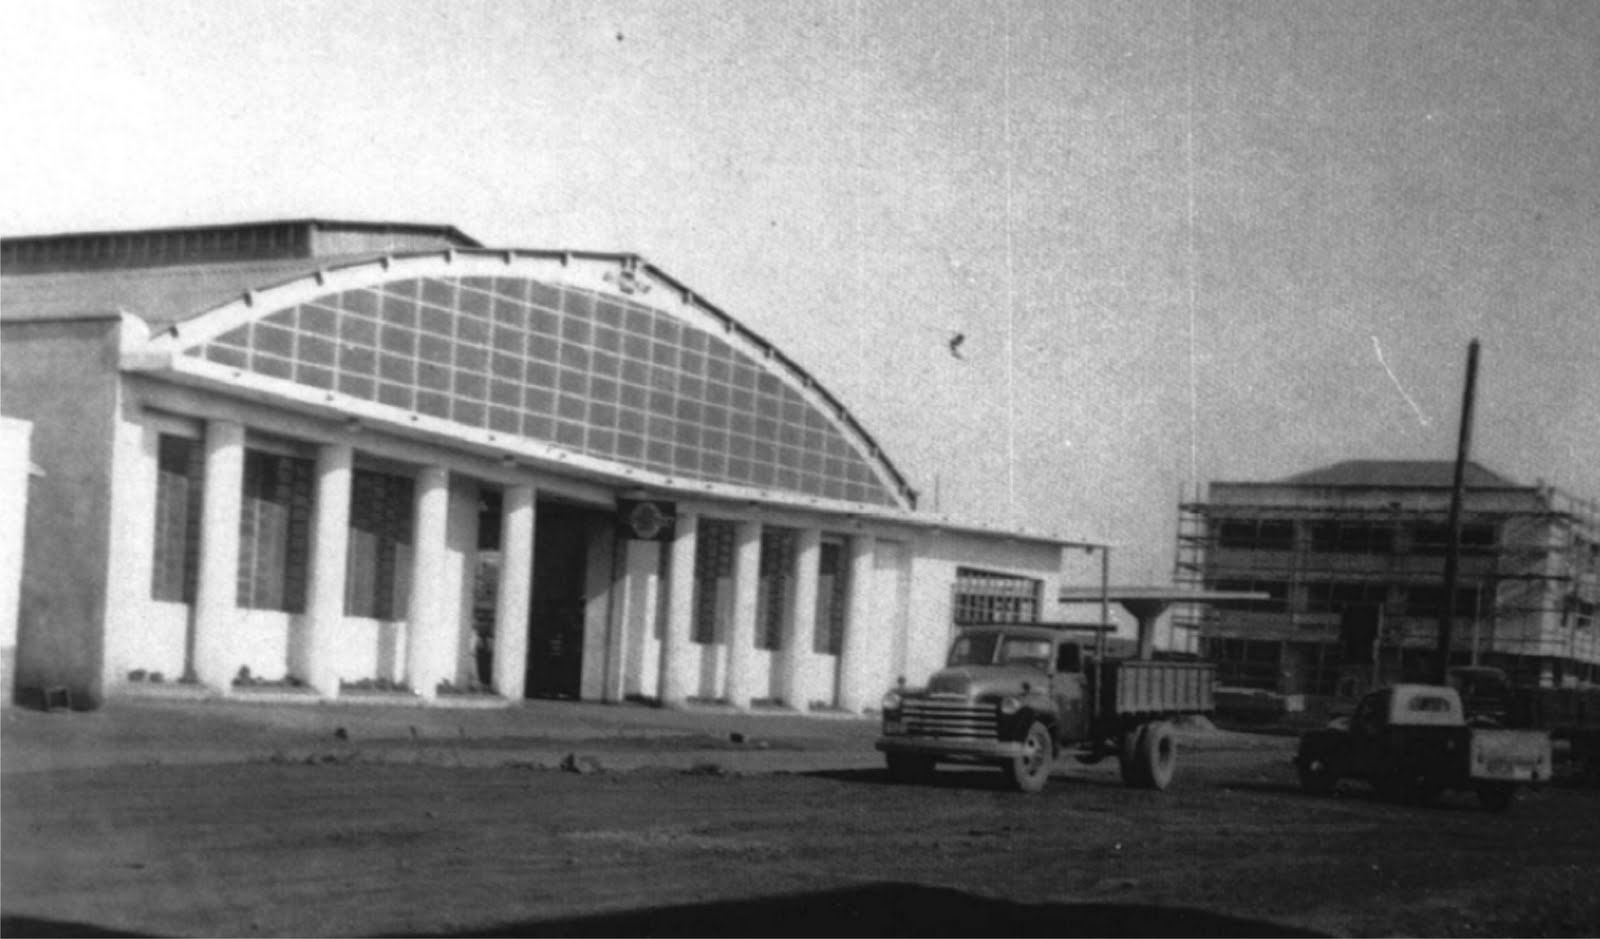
(1018,696)
(1411,742)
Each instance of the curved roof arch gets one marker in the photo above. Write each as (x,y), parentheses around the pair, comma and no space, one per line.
(598,360)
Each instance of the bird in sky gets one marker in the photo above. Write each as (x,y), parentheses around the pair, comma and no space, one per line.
(955,344)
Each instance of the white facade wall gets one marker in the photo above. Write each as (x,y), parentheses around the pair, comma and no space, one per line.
(15,464)
(899,621)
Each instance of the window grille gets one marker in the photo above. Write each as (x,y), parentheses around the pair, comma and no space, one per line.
(989,597)
(833,597)
(378,584)
(180,477)
(772,598)
(274,532)
(713,567)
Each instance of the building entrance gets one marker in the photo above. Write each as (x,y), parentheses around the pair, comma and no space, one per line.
(556,608)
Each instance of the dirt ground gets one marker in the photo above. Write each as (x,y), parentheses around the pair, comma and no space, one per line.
(430,824)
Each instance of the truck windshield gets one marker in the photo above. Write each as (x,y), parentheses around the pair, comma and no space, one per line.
(1030,652)
(976,649)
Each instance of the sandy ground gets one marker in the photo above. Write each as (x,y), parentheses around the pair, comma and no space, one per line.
(576,819)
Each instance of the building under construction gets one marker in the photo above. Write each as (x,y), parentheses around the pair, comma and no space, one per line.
(1351,561)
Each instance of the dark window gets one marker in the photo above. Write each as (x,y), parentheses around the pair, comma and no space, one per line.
(713,575)
(379,555)
(772,598)
(833,595)
(274,532)
(179,480)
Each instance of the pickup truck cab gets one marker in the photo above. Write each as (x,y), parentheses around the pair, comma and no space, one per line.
(1412,742)
(1018,695)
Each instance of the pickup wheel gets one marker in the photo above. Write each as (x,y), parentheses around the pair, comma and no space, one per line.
(1316,776)
(1031,770)
(909,767)
(1158,755)
(1128,756)
(1496,797)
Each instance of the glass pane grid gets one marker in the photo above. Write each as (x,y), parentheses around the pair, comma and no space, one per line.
(600,375)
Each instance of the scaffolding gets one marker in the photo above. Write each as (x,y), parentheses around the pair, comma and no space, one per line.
(1530,581)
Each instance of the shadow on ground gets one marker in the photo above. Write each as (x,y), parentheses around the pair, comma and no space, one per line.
(52,928)
(979,778)
(893,909)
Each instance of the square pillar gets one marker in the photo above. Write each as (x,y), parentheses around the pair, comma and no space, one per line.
(517,521)
(637,664)
(800,637)
(428,636)
(856,666)
(678,653)
(740,689)
(330,545)
(216,599)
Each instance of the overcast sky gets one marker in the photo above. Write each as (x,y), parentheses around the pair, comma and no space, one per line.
(1185,241)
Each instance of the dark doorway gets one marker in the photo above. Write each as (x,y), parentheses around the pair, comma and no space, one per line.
(556,609)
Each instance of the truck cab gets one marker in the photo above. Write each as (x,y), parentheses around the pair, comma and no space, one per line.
(1412,742)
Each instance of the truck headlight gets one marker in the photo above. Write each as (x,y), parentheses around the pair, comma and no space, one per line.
(891,701)
(1010,705)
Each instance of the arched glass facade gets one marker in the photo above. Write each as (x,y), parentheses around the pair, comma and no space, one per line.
(588,372)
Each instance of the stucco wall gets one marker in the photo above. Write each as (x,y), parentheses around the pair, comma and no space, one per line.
(15,452)
(62,376)
(929,623)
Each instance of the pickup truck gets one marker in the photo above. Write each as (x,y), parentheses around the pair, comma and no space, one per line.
(1019,695)
(1412,742)
(1570,715)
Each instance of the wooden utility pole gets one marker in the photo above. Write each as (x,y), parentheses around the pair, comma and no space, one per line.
(1452,556)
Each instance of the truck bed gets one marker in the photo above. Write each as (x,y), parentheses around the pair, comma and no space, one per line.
(1142,688)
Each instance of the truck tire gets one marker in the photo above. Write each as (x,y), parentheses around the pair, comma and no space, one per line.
(909,767)
(1128,758)
(1029,771)
(1158,755)
(1496,797)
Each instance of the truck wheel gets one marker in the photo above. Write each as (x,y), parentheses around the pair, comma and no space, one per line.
(1496,797)
(1158,755)
(1128,757)
(1031,770)
(909,768)
(1316,777)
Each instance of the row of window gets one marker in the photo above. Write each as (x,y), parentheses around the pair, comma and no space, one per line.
(993,597)
(1336,597)
(1345,537)
(275,533)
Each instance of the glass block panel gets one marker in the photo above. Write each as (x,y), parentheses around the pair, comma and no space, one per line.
(439,293)
(358,331)
(564,365)
(318,321)
(433,404)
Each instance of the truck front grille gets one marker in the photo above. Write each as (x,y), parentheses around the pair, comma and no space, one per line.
(931,717)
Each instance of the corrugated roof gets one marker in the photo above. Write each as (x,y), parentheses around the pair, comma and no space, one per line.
(160,296)
(1380,474)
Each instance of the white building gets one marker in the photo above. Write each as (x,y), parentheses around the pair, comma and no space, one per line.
(328,459)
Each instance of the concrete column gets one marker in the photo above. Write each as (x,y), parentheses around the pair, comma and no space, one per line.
(636,665)
(678,654)
(427,635)
(802,635)
(330,544)
(217,593)
(742,630)
(517,521)
(856,667)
